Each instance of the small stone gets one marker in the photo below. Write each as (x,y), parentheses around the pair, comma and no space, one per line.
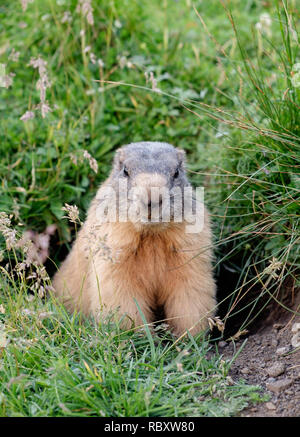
(278,326)
(270,406)
(296,328)
(245,371)
(289,392)
(222,344)
(279,386)
(276,369)
(274,342)
(296,340)
(283,350)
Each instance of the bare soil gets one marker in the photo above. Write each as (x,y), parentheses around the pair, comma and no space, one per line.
(264,362)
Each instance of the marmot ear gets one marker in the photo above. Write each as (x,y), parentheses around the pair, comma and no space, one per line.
(119,158)
(181,156)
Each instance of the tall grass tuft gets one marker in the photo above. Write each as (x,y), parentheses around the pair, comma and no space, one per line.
(258,181)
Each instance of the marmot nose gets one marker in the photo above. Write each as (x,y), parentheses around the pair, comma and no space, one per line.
(155,199)
(151,188)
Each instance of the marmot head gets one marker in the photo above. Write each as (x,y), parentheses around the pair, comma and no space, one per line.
(149,179)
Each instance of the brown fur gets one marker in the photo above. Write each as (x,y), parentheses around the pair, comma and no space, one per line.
(158,265)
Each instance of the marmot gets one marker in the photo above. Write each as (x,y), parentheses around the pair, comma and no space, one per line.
(122,259)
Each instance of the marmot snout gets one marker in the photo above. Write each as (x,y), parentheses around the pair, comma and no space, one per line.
(146,239)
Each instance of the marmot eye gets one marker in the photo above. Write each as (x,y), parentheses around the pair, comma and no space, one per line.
(176,174)
(125,172)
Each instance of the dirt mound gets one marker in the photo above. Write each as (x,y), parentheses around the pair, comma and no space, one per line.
(271,358)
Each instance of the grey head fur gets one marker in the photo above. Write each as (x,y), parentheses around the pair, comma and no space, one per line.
(151,158)
(148,180)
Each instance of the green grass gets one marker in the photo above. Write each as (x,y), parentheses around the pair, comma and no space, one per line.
(229,98)
(56,365)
